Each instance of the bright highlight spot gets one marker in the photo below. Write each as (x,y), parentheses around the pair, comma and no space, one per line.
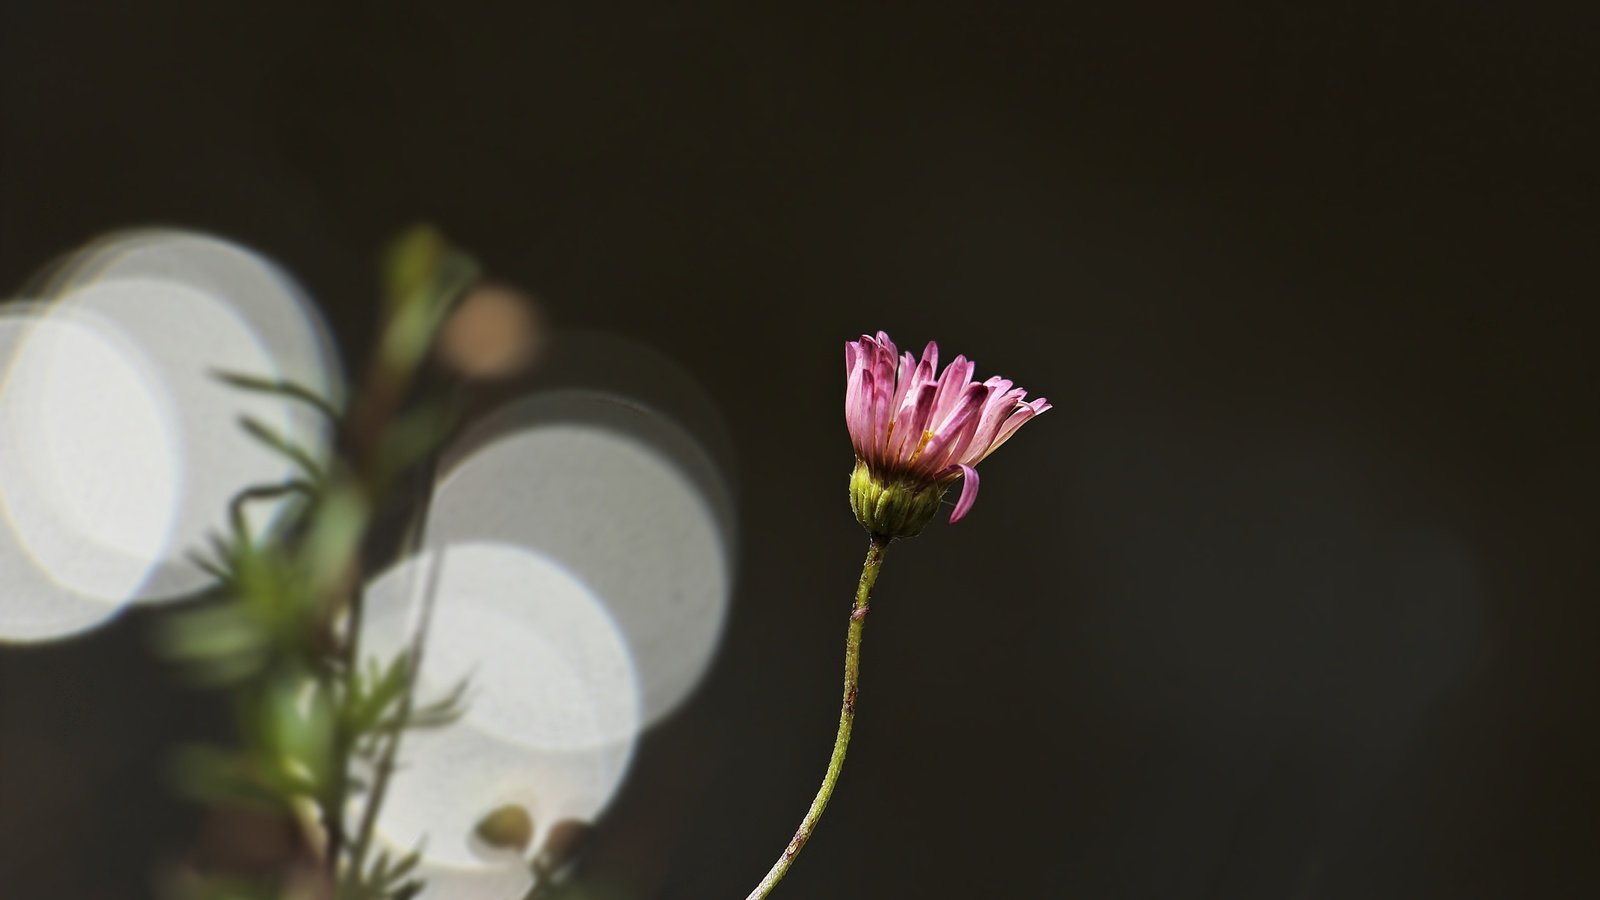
(263,297)
(189,336)
(121,450)
(603,488)
(587,546)
(74,536)
(552,707)
(89,483)
(547,666)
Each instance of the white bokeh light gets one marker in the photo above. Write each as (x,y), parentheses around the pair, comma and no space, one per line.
(552,708)
(510,880)
(452,777)
(594,484)
(121,448)
(189,336)
(255,290)
(548,668)
(587,548)
(79,523)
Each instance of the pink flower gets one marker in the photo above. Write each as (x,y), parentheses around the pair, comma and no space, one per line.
(917,429)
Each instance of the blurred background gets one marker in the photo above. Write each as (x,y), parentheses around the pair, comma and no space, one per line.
(1292,595)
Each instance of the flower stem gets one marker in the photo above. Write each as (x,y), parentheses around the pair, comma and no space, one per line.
(847,718)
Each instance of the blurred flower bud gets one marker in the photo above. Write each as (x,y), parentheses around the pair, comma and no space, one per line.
(507,828)
(493,333)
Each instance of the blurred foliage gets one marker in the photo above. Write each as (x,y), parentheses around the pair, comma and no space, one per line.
(423,277)
(317,727)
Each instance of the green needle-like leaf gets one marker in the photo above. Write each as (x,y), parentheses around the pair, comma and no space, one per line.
(281,388)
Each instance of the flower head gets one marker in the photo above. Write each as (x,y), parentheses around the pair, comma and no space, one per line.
(917,430)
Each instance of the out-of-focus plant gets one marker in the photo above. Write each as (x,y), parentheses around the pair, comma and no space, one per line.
(318,725)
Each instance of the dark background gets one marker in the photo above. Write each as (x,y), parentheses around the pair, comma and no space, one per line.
(1293,593)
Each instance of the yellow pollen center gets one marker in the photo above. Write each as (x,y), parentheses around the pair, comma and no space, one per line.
(921,446)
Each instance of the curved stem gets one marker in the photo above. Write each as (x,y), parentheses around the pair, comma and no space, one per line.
(847,718)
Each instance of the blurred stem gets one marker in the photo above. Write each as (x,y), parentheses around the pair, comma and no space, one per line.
(391,748)
(373,409)
(847,718)
(369,417)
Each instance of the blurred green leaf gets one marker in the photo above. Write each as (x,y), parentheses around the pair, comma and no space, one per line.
(275,440)
(413,436)
(422,275)
(334,538)
(444,711)
(370,694)
(281,388)
(299,730)
(410,261)
(224,777)
(308,491)
(205,564)
(374,702)
(221,643)
(387,878)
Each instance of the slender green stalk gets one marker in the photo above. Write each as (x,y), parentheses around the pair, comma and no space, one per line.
(391,749)
(847,718)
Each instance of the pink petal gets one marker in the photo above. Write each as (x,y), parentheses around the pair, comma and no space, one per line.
(852,402)
(995,413)
(1021,417)
(916,377)
(883,364)
(894,400)
(858,409)
(908,429)
(953,434)
(969,493)
(952,384)
(903,382)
